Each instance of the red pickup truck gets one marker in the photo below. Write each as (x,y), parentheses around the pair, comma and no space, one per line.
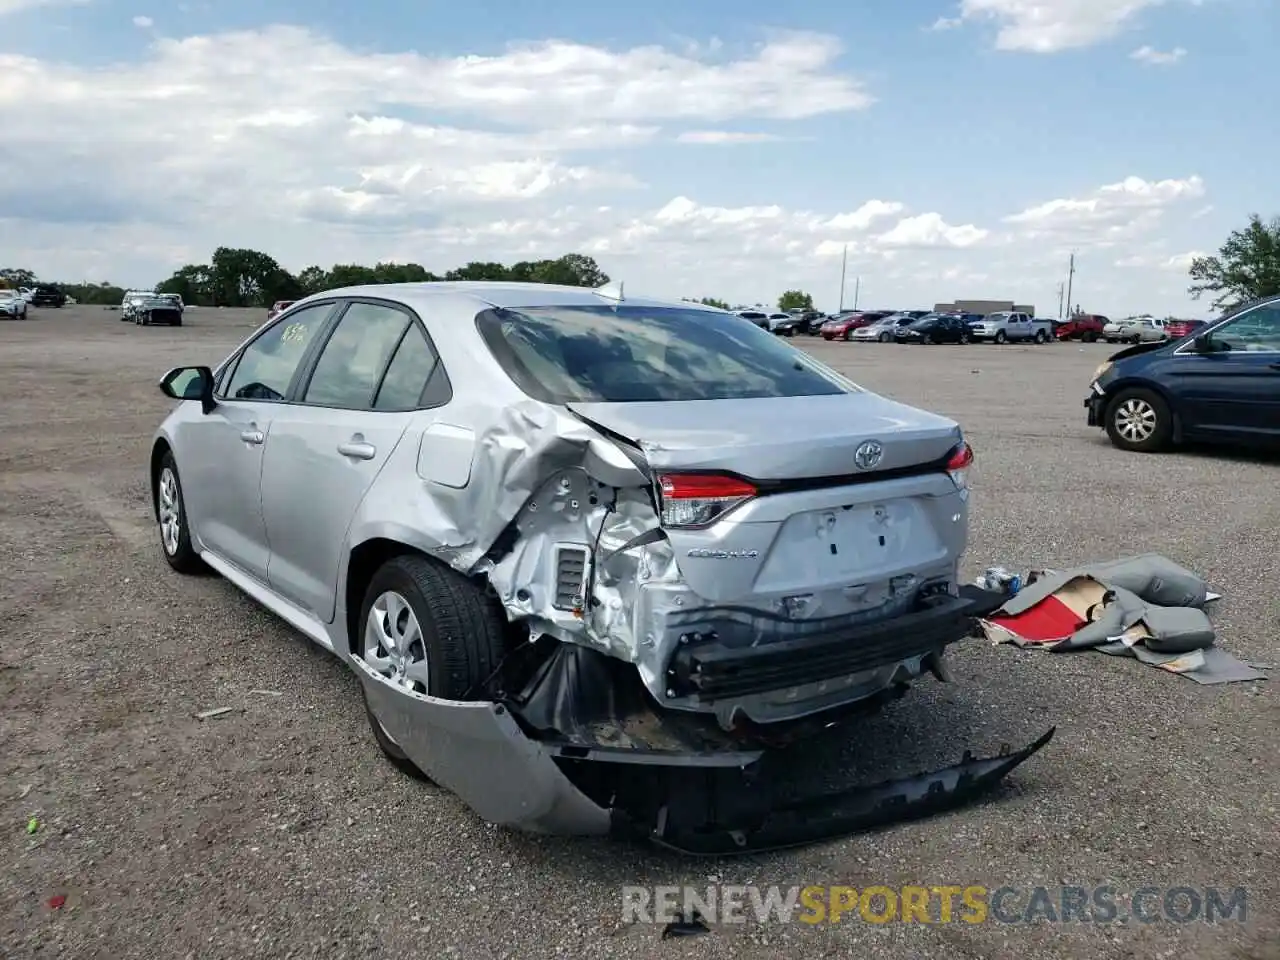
(1086,327)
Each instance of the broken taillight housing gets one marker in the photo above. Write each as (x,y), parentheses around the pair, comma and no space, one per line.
(958,465)
(697,499)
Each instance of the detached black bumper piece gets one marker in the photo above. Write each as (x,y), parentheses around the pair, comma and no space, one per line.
(700,829)
(1095,405)
(724,664)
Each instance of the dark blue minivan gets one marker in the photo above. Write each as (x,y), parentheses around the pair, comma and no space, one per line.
(1221,385)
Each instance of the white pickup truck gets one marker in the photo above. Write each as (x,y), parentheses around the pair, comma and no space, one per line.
(1006,326)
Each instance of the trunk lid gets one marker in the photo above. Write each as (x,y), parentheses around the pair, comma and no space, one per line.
(777,438)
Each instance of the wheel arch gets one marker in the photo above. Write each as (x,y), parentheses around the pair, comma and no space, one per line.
(363,562)
(158,450)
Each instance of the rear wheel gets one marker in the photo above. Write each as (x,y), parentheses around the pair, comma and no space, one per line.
(427,629)
(1139,420)
(1041,336)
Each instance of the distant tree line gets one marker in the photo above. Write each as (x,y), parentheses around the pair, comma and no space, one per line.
(249,278)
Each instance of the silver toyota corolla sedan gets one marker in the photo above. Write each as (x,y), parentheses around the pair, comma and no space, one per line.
(580,549)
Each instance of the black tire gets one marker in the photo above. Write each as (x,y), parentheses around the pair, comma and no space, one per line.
(1001,337)
(848,335)
(176,323)
(927,339)
(1136,403)
(1090,338)
(964,339)
(183,557)
(885,338)
(462,632)
(1040,336)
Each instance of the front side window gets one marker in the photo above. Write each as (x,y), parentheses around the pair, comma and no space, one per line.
(562,354)
(267,365)
(1256,331)
(353,360)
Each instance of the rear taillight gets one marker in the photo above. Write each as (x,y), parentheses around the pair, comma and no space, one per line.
(958,465)
(697,499)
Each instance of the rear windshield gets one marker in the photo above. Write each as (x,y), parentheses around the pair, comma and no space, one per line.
(630,354)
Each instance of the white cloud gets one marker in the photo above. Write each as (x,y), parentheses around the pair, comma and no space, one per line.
(1150,55)
(16,6)
(143,22)
(725,137)
(946,23)
(1181,262)
(1048,26)
(1108,215)
(283,140)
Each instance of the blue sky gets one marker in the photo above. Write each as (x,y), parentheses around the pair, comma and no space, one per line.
(958,149)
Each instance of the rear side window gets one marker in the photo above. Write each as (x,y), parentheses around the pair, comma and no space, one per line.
(629,354)
(414,365)
(355,356)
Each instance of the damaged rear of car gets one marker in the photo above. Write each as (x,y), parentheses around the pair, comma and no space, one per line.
(628,552)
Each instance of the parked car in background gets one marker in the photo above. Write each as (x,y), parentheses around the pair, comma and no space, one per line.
(494,636)
(279,307)
(842,326)
(146,307)
(1177,329)
(1006,326)
(1221,385)
(934,328)
(13,305)
(47,295)
(27,293)
(882,330)
(811,322)
(1144,329)
(783,324)
(1087,327)
(175,299)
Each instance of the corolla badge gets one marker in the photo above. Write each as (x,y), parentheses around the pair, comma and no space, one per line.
(868,454)
(702,553)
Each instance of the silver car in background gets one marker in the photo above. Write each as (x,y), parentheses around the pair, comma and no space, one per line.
(884,328)
(574,547)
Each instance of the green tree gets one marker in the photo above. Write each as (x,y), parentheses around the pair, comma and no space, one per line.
(795,300)
(1247,266)
(193,283)
(709,302)
(18,276)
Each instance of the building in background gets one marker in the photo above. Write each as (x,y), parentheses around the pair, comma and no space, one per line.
(984,307)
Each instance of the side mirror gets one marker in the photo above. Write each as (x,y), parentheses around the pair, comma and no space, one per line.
(190,383)
(1203,343)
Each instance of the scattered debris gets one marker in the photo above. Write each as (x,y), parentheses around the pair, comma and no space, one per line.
(215,712)
(1147,607)
(33,825)
(267,693)
(690,925)
(56,901)
(22,794)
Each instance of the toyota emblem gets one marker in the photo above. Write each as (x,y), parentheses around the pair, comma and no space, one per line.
(868,454)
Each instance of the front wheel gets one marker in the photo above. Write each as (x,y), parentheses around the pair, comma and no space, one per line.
(885,338)
(1001,337)
(1139,420)
(171,514)
(964,338)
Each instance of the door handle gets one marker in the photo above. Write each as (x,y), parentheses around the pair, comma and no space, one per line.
(1275,366)
(358,450)
(252,436)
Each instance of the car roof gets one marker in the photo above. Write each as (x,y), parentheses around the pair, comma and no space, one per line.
(506,294)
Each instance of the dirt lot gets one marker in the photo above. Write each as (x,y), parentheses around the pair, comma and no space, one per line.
(278,830)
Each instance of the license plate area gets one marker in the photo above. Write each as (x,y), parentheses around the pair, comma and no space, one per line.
(846,544)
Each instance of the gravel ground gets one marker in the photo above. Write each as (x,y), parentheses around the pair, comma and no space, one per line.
(279,831)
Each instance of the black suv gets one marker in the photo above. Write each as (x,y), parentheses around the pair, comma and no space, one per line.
(47,296)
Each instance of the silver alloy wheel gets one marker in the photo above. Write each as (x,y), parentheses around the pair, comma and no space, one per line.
(170,510)
(394,645)
(1135,420)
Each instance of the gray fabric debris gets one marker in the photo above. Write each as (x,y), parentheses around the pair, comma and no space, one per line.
(1144,606)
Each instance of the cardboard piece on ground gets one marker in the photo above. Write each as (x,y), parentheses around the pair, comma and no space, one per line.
(1052,620)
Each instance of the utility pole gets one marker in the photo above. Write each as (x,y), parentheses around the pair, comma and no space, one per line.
(857,288)
(844,265)
(1071,272)
(1060,289)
